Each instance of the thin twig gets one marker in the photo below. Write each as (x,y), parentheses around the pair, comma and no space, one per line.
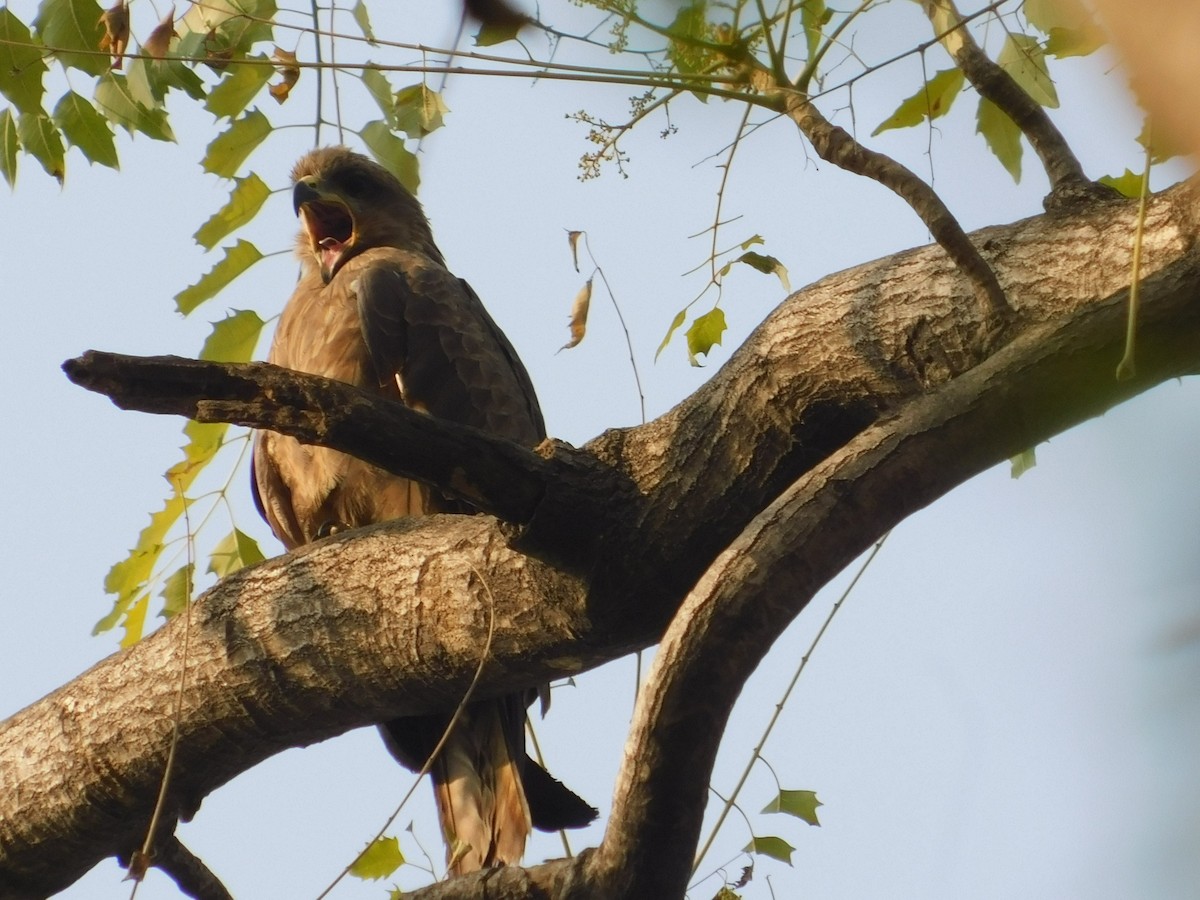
(756,754)
(316,33)
(147,850)
(1126,368)
(637,378)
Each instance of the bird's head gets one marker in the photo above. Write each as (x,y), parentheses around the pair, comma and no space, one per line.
(347,204)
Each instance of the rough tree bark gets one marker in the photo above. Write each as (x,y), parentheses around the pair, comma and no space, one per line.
(861,399)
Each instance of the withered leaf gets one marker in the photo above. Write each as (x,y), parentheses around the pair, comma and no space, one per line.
(573,237)
(289,73)
(579,314)
(115,39)
(159,41)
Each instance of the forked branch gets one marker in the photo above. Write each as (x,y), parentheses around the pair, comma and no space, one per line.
(1068,183)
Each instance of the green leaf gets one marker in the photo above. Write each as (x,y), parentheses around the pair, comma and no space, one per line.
(115,99)
(1129,183)
(419,110)
(689,27)
(705,333)
(1065,42)
(752,241)
(248,549)
(234,338)
(774,847)
(151,79)
(814,16)
(1047,15)
(143,86)
(363,20)
(204,440)
(177,591)
(73,25)
(21,65)
(1069,28)
(1023,462)
(84,127)
(931,101)
(128,578)
(178,74)
(391,153)
(726,893)
(245,200)
(146,85)
(1002,135)
(490,35)
(135,621)
(1023,58)
(1158,142)
(380,90)
(227,25)
(801,804)
(234,551)
(237,260)
(675,323)
(9,144)
(230,149)
(239,86)
(768,265)
(40,138)
(381,858)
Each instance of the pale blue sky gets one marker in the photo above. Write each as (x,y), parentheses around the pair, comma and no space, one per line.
(1005,708)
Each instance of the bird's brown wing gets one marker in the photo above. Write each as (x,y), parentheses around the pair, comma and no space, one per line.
(429,330)
(397,322)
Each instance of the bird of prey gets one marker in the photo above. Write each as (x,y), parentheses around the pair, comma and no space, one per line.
(376,307)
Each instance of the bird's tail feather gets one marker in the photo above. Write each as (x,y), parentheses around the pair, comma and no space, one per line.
(479,793)
(552,805)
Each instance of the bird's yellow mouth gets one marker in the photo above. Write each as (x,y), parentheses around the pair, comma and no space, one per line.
(330,230)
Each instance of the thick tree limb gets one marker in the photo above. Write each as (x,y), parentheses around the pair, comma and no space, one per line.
(287,653)
(387,621)
(495,475)
(554,491)
(757,586)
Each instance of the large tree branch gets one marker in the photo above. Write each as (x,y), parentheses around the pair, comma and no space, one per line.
(387,621)
(767,576)
(353,630)
(554,491)
(1054,376)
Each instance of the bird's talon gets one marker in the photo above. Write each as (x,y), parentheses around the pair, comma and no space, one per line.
(328,529)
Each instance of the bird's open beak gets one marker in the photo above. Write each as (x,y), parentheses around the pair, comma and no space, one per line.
(327,222)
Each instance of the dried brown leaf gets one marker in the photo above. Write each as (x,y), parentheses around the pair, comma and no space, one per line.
(573,237)
(579,314)
(159,41)
(115,39)
(289,72)
(216,56)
